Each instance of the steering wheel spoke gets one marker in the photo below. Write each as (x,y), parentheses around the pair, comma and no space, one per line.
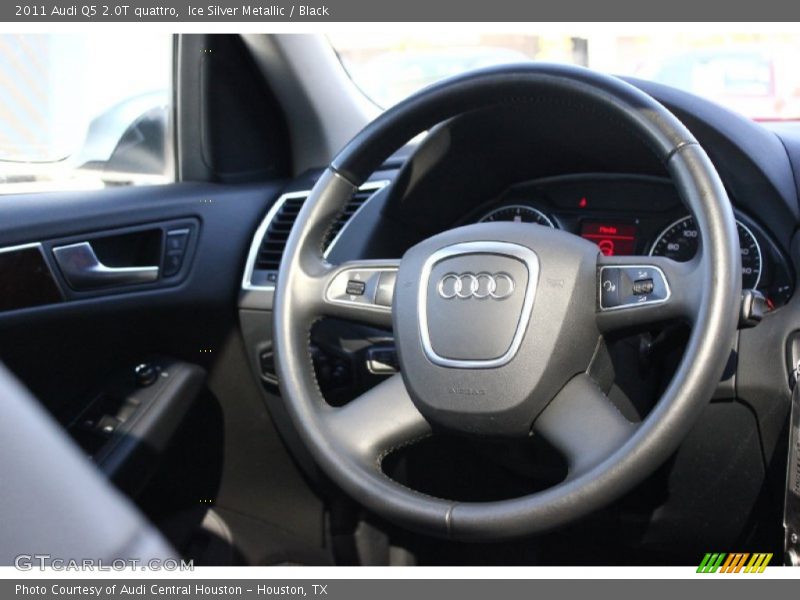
(359,291)
(583,424)
(378,421)
(636,291)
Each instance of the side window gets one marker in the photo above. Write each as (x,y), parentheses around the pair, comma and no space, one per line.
(84,111)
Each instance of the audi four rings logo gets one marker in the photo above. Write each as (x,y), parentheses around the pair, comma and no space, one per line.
(476,285)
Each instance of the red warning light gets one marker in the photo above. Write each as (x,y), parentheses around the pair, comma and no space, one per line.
(582,203)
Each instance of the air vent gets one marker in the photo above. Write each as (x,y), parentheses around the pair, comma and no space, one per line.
(274,241)
(280,224)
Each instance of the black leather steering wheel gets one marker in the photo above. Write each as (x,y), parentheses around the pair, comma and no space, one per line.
(497,324)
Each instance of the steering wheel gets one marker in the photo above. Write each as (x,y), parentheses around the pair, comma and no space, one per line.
(497,324)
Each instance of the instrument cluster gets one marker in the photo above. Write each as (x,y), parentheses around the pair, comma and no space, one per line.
(629,215)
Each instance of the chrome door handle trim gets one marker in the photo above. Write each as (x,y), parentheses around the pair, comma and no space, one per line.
(83,270)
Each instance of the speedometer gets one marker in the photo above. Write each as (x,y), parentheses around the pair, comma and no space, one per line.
(519,213)
(679,242)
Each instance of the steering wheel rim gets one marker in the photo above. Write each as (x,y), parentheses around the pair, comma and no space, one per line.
(607,455)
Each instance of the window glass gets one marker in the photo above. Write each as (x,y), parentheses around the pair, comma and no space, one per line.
(84,111)
(752,73)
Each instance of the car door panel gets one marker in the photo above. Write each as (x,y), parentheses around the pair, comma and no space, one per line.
(62,347)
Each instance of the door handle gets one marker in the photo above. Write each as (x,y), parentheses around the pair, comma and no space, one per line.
(83,270)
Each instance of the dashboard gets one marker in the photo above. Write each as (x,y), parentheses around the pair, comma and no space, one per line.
(635,214)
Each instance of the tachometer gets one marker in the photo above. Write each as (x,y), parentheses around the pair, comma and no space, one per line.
(520,214)
(679,242)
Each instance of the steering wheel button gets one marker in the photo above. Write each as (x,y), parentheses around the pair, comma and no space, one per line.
(609,288)
(385,292)
(355,288)
(641,284)
(642,287)
(630,285)
(361,286)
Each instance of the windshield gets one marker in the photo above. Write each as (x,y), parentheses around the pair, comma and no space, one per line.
(754,74)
